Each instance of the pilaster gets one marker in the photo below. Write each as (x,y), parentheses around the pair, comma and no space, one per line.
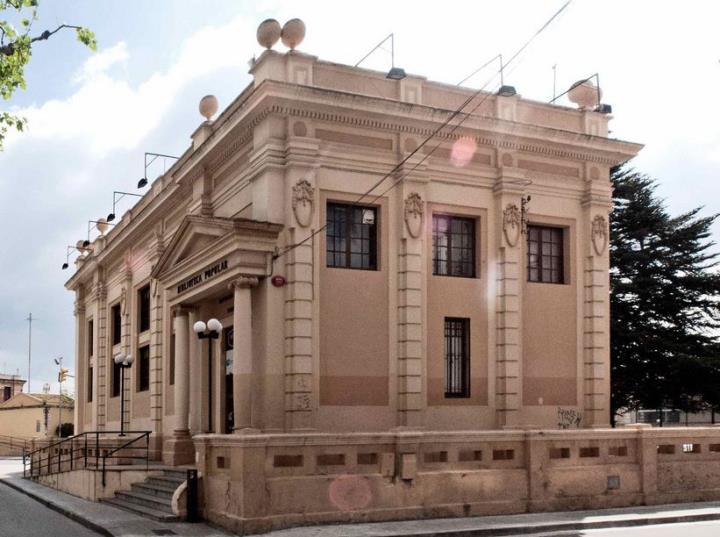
(299,295)
(508,353)
(410,305)
(101,354)
(596,309)
(81,356)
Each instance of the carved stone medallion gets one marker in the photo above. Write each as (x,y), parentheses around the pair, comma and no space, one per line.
(599,234)
(511,224)
(414,214)
(302,202)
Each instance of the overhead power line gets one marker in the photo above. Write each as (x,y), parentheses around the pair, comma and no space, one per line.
(456,113)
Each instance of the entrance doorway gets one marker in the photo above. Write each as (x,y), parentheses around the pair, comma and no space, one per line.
(228,344)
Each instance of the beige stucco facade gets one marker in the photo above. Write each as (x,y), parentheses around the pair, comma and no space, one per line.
(29,416)
(336,350)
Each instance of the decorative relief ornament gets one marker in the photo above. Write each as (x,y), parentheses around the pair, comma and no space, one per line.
(511,223)
(414,214)
(599,234)
(302,202)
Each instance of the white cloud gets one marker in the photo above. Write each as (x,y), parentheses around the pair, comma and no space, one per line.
(99,63)
(106,114)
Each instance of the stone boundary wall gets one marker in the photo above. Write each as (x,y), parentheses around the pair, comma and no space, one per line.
(259,482)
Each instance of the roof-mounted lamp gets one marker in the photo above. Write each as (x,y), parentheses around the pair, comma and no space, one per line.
(395,73)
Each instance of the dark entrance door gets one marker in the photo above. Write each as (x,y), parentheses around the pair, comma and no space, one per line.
(228,344)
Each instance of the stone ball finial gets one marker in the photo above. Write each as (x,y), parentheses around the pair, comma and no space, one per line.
(585,94)
(101,225)
(293,33)
(208,106)
(268,33)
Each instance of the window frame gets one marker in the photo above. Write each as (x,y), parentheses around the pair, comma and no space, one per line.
(448,261)
(90,384)
(116,324)
(116,372)
(143,308)
(347,254)
(556,232)
(143,369)
(90,338)
(464,375)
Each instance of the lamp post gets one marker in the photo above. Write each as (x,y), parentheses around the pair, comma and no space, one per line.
(124,362)
(209,331)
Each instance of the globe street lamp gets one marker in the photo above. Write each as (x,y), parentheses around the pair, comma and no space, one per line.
(209,331)
(123,362)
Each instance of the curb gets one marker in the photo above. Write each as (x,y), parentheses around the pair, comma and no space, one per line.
(72,515)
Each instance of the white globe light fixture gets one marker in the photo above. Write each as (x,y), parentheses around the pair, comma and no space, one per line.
(209,331)
(214,325)
(123,361)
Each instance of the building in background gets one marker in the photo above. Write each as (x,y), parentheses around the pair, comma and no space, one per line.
(35,415)
(10,385)
(467,292)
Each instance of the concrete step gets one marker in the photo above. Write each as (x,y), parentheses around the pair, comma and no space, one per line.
(146,500)
(176,473)
(154,514)
(164,481)
(156,490)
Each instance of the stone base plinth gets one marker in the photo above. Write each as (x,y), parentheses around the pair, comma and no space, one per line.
(179,449)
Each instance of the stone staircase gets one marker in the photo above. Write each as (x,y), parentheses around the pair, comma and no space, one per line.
(151,498)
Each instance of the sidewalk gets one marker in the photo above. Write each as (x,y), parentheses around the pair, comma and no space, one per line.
(525,524)
(99,517)
(118,523)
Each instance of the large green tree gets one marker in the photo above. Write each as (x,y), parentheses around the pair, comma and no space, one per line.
(665,308)
(17,39)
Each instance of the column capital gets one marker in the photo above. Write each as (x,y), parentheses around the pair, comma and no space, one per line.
(181,309)
(244,282)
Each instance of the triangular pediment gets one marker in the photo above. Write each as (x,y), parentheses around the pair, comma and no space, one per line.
(195,235)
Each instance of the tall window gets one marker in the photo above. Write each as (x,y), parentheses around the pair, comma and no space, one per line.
(91,338)
(143,377)
(144,309)
(171,367)
(351,236)
(7,392)
(116,324)
(457,357)
(116,372)
(453,246)
(90,385)
(545,254)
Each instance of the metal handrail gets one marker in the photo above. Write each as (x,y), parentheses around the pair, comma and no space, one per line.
(77,447)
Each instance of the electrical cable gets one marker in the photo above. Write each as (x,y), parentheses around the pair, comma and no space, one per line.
(432,135)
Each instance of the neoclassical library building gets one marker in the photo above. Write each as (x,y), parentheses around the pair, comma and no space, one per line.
(343,276)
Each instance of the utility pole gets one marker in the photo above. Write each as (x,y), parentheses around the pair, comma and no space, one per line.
(30,321)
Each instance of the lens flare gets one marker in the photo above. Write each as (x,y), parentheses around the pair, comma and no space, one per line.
(350,492)
(463,151)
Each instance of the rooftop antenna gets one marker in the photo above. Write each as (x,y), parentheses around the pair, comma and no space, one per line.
(395,73)
(154,156)
(505,91)
(30,320)
(117,196)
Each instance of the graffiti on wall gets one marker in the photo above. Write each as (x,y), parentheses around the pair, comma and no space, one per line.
(568,418)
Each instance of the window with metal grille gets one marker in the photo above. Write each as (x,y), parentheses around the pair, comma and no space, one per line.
(351,236)
(453,246)
(144,309)
(143,376)
(116,324)
(545,254)
(457,357)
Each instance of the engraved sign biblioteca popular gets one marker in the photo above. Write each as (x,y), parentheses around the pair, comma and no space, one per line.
(202,276)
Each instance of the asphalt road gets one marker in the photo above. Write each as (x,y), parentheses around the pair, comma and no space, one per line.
(21,516)
(694,529)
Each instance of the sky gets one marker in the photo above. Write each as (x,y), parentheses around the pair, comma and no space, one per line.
(93,115)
